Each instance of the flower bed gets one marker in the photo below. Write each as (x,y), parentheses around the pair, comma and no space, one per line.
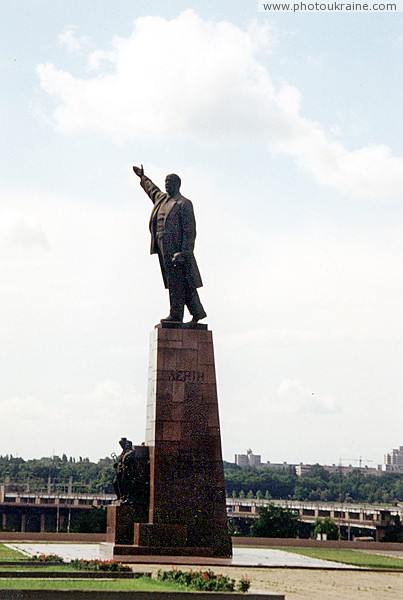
(99,565)
(82,564)
(48,558)
(204,580)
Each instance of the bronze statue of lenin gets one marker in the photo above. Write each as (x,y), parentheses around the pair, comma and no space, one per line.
(173,234)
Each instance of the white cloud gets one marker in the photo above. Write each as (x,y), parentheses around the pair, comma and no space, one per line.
(296,398)
(205,79)
(98,58)
(152,92)
(74,43)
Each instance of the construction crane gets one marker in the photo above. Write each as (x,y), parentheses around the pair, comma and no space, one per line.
(356,460)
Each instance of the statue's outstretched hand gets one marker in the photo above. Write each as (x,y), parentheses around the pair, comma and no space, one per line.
(139,171)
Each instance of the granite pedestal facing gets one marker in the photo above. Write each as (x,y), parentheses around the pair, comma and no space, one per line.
(125,551)
(160,534)
(120,523)
(187,510)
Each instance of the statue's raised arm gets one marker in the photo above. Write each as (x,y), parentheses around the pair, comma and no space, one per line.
(152,191)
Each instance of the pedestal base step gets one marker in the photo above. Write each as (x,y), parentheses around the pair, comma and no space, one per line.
(180,325)
(123,550)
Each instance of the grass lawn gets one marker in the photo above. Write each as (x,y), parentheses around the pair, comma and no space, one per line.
(350,557)
(140,584)
(41,567)
(9,554)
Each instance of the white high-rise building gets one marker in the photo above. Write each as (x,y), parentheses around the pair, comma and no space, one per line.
(248,460)
(393,460)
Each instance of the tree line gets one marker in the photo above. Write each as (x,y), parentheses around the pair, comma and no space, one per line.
(58,474)
(317,485)
(84,476)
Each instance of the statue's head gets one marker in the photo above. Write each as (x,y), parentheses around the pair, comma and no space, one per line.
(125,444)
(172,184)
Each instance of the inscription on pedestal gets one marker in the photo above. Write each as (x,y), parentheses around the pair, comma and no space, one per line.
(179,375)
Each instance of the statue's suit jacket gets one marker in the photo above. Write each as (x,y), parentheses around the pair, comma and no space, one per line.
(179,232)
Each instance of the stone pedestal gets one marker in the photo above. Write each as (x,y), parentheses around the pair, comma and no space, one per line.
(119,525)
(187,511)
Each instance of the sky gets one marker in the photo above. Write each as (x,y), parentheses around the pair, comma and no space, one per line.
(287,131)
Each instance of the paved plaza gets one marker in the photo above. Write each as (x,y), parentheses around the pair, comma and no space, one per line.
(251,557)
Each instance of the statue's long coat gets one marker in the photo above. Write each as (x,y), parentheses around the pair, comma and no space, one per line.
(179,232)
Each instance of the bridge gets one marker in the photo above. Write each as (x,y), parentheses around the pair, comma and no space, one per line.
(358,519)
(44,511)
(54,512)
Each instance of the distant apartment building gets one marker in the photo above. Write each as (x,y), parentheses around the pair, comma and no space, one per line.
(393,460)
(303,469)
(248,460)
(283,467)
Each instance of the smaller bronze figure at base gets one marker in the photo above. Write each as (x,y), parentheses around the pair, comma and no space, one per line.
(132,479)
(173,234)
(124,479)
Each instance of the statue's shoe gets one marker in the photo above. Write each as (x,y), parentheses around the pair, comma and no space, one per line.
(193,323)
(198,317)
(170,319)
